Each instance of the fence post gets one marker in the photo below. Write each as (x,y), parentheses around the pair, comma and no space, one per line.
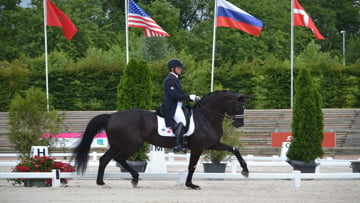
(297,179)
(94,156)
(233,164)
(181,178)
(55,180)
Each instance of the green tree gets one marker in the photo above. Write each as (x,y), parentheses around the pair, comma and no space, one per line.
(13,79)
(153,48)
(307,121)
(135,87)
(135,91)
(29,121)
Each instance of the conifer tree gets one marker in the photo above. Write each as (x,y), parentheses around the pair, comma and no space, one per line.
(135,87)
(307,121)
(135,91)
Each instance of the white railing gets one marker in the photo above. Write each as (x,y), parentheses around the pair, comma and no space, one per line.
(180,176)
(183,160)
(295,176)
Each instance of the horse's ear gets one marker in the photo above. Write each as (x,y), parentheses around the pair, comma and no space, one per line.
(248,97)
(245,97)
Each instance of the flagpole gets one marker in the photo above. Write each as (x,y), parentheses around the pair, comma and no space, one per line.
(127,31)
(213,48)
(46,58)
(292,54)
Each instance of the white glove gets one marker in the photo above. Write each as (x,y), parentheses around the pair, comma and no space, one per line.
(194,98)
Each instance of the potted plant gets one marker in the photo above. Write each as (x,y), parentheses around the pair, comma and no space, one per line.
(307,125)
(40,164)
(135,91)
(138,161)
(29,120)
(215,159)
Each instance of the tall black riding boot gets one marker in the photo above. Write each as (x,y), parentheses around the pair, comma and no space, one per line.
(179,133)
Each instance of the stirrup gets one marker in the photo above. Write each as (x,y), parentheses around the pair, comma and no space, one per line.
(180,148)
(177,148)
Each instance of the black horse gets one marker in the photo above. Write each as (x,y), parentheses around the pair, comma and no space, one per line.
(128,130)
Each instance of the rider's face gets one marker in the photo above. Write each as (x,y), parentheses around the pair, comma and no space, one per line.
(178,70)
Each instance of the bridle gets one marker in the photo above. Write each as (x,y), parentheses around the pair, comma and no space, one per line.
(220,116)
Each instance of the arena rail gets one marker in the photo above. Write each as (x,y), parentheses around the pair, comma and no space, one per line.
(172,159)
(180,176)
(295,176)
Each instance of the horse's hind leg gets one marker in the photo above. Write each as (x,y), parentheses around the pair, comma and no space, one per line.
(103,162)
(134,174)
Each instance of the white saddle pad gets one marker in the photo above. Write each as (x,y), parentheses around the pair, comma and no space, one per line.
(163,131)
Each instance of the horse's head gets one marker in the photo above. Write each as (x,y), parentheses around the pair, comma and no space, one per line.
(226,102)
(236,110)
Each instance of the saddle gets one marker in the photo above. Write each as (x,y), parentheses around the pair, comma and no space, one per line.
(187,112)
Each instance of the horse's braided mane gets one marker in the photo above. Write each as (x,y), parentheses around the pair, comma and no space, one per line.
(216,92)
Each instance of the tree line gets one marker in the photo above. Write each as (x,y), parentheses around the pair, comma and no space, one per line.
(84,73)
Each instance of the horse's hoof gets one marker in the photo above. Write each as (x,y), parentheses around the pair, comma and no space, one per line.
(100,183)
(105,186)
(134,183)
(245,173)
(192,186)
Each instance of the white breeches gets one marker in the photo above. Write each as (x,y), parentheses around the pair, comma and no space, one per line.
(179,114)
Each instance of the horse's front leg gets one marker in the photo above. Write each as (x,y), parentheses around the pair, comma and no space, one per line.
(236,152)
(194,158)
(243,164)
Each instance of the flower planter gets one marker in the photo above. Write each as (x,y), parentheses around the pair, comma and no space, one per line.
(36,183)
(138,166)
(355,165)
(304,167)
(40,164)
(214,167)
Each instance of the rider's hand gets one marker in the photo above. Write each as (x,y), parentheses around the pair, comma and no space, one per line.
(194,98)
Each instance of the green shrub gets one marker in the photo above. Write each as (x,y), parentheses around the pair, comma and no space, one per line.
(135,91)
(29,120)
(307,121)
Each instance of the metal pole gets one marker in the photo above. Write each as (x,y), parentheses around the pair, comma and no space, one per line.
(46,58)
(343,32)
(127,31)
(292,55)
(213,49)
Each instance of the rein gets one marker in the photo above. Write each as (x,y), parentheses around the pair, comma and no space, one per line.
(219,116)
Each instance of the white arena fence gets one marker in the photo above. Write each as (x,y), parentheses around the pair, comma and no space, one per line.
(173,159)
(295,176)
(180,176)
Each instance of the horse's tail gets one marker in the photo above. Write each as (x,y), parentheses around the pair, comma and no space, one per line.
(81,152)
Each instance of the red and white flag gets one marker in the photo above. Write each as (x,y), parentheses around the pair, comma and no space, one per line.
(137,17)
(301,18)
(55,17)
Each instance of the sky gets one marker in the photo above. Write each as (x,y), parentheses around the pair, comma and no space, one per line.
(25,3)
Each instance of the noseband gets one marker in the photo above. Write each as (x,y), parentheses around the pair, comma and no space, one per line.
(219,115)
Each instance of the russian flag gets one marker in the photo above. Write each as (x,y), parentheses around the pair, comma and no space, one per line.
(231,16)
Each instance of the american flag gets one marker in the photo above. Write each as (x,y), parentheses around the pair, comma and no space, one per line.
(140,19)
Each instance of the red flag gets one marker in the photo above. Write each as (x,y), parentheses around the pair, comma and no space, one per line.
(55,17)
(301,18)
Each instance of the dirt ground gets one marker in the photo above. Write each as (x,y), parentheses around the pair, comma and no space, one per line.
(153,191)
(167,191)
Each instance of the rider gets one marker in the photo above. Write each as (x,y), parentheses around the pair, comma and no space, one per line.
(172,105)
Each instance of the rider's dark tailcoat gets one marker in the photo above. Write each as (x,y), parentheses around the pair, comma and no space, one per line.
(172,94)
